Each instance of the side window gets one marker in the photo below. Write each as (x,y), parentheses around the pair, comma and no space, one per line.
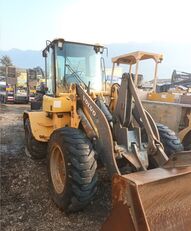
(50,73)
(60,60)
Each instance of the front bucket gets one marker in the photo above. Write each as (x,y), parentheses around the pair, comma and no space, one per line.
(157,200)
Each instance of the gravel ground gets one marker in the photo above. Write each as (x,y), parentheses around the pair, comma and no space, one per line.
(25,199)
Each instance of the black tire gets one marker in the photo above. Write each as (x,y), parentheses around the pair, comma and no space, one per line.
(34,148)
(187,141)
(36,105)
(75,185)
(169,140)
(4,100)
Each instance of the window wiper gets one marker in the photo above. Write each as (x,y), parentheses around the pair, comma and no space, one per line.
(73,72)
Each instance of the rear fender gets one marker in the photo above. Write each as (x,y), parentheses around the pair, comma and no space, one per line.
(41,125)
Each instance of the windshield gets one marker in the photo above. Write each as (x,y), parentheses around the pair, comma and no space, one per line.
(78,63)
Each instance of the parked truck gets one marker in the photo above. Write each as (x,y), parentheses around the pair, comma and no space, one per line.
(35,79)
(7,84)
(21,87)
(6,93)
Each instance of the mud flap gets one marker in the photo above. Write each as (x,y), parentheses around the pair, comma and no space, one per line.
(157,199)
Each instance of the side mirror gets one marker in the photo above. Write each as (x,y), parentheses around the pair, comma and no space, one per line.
(44,53)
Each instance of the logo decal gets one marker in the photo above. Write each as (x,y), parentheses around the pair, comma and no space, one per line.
(89,105)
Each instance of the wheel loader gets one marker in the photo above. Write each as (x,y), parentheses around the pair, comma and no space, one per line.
(85,120)
(175,109)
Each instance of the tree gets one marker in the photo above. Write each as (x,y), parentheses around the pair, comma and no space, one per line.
(6,61)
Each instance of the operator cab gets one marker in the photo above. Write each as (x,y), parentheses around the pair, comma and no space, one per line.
(70,62)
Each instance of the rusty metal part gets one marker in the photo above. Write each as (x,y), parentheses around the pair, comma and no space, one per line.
(129,146)
(86,125)
(105,138)
(143,159)
(119,219)
(158,199)
(151,122)
(155,147)
(114,90)
(58,169)
(131,157)
(123,109)
(123,119)
(174,115)
(181,159)
(183,133)
(153,125)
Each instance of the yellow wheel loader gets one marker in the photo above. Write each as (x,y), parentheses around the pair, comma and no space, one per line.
(84,119)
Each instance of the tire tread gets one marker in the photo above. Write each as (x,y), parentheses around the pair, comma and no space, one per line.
(81,167)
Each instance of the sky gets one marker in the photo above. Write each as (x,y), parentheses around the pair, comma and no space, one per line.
(27,24)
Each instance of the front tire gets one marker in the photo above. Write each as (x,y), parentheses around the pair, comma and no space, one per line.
(71,169)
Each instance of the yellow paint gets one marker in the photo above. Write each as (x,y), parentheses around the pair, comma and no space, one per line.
(61,120)
(58,104)
(9,89)
(114,97)
(57,112)
(163,97)
(32,91)
(43,126)
(185,131)
(75,118)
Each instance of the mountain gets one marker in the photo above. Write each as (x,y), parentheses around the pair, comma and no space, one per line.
(24,59)
(176,56)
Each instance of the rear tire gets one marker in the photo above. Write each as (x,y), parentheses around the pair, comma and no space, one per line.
(169,140)
(71,169)
(187,141)
(36,105)
(34,148)
(4,100)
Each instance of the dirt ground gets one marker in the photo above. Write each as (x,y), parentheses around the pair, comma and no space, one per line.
(25,200)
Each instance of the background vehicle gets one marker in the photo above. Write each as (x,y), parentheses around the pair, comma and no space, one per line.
(173,114)
(9,94)
(181,78)
(21,87)
(2,90)
(35,79)
(32,93)
(8,80)
(82,122)
(22,84)
(6,93)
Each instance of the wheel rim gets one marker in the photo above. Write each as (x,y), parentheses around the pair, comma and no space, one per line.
(57,169)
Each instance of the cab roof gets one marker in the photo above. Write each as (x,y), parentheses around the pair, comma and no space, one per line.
(132,58)
(57,40)
(63,40)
